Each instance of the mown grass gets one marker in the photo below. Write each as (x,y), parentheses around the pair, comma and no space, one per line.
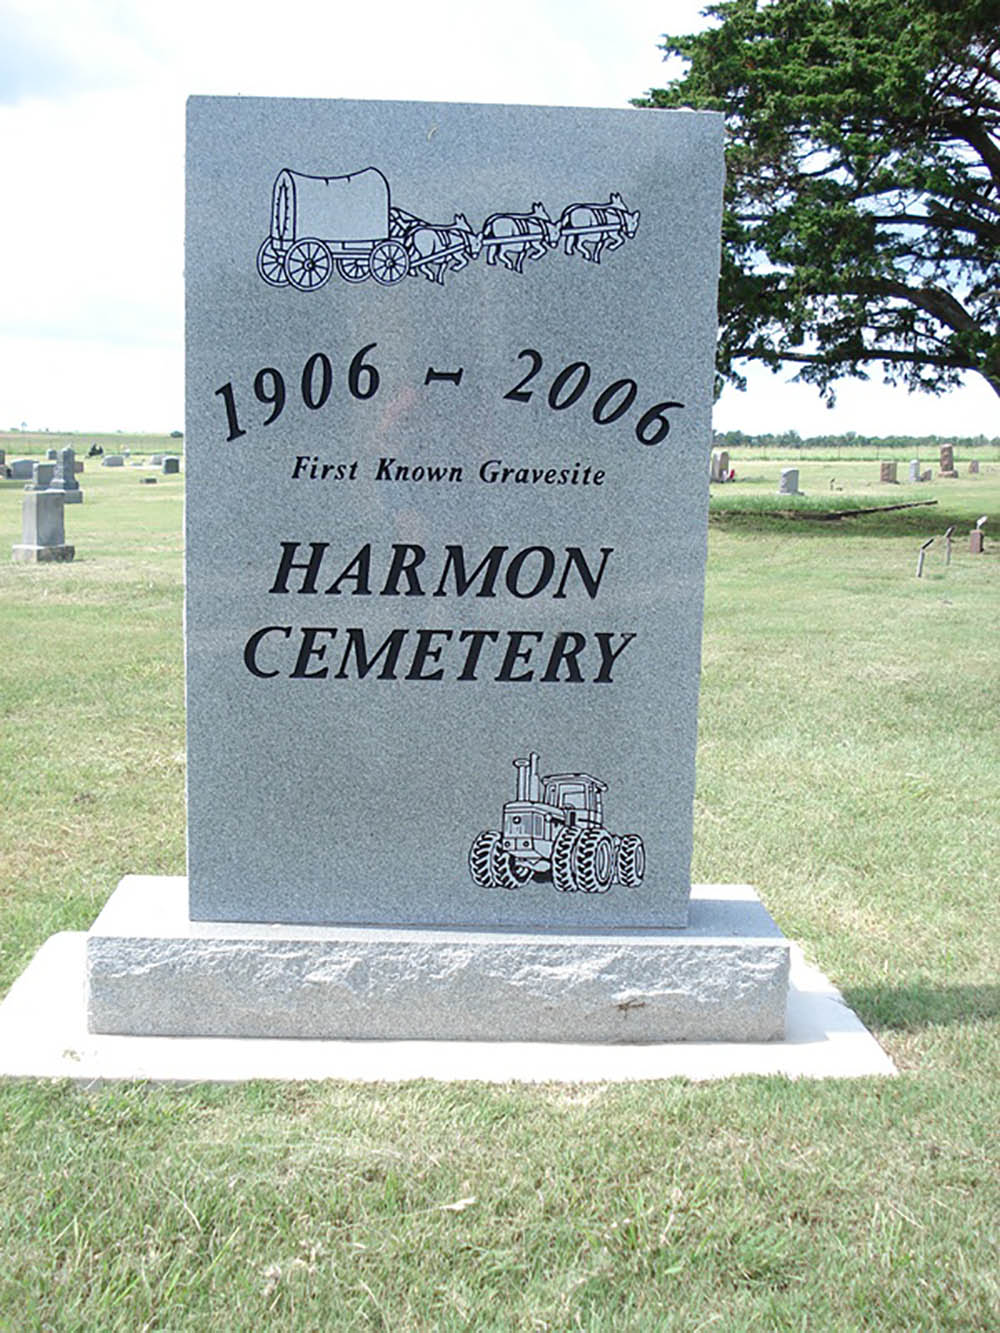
(848,766)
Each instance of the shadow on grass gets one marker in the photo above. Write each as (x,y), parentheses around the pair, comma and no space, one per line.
(917,523)
(908,1008)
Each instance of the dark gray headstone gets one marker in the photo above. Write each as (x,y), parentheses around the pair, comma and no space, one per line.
(170,465)
(459,359)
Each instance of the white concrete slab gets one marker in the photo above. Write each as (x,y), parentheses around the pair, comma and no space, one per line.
(43,1035)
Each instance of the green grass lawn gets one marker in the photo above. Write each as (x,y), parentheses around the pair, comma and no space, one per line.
(848,767)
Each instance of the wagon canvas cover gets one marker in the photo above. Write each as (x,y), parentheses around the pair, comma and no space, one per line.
(332,208)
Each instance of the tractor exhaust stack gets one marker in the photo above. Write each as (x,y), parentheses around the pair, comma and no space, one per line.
(528,786)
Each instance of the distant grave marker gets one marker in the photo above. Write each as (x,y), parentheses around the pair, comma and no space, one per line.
(64,478)
(789,483)
(43,531)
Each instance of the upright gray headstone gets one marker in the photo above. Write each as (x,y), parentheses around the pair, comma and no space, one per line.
(470,526)
(170,465)
(43,531)
(789,483)
(41,476)
(973,466)
(914,469)
(21,469)
(64,478)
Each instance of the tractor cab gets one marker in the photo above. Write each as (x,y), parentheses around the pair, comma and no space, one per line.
(580,795)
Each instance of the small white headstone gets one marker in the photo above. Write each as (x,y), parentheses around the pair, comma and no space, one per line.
(789,484)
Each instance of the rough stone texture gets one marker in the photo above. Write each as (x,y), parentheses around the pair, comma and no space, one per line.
(43,1034)
(887,472)
(153,972)
(947,458)
(333,797)
(789,483)
(973,467)
(43,531)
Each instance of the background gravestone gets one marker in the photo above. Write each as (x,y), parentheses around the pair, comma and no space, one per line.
(460,358)
(64,478)
(41,476)
(789,481)
(43,532)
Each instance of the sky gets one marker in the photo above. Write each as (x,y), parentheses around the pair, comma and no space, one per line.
(92,97)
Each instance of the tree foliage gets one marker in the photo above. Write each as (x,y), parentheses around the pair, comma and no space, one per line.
(862,220)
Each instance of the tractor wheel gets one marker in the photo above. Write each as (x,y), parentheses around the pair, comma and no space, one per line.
(493,868)
(308,265)
(507,872)
(271,264)
(630,864)
(481,859)
(563,849)
(595,860)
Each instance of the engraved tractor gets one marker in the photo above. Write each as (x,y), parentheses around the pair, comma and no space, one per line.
(555,831)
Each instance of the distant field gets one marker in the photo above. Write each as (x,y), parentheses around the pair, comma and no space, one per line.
(848,766)
(28,444)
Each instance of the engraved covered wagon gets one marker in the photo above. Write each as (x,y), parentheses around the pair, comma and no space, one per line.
(322,223)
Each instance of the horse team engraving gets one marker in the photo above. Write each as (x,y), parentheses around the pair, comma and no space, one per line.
(320,224)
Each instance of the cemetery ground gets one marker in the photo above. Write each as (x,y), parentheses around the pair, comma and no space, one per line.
(848,767)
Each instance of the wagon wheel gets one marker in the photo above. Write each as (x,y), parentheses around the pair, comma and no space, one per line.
(308,265)
(353,268)
(271,264)
(390,262)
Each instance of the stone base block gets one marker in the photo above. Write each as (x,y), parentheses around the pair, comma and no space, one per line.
(36,554)
(74,497)
(153,972)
